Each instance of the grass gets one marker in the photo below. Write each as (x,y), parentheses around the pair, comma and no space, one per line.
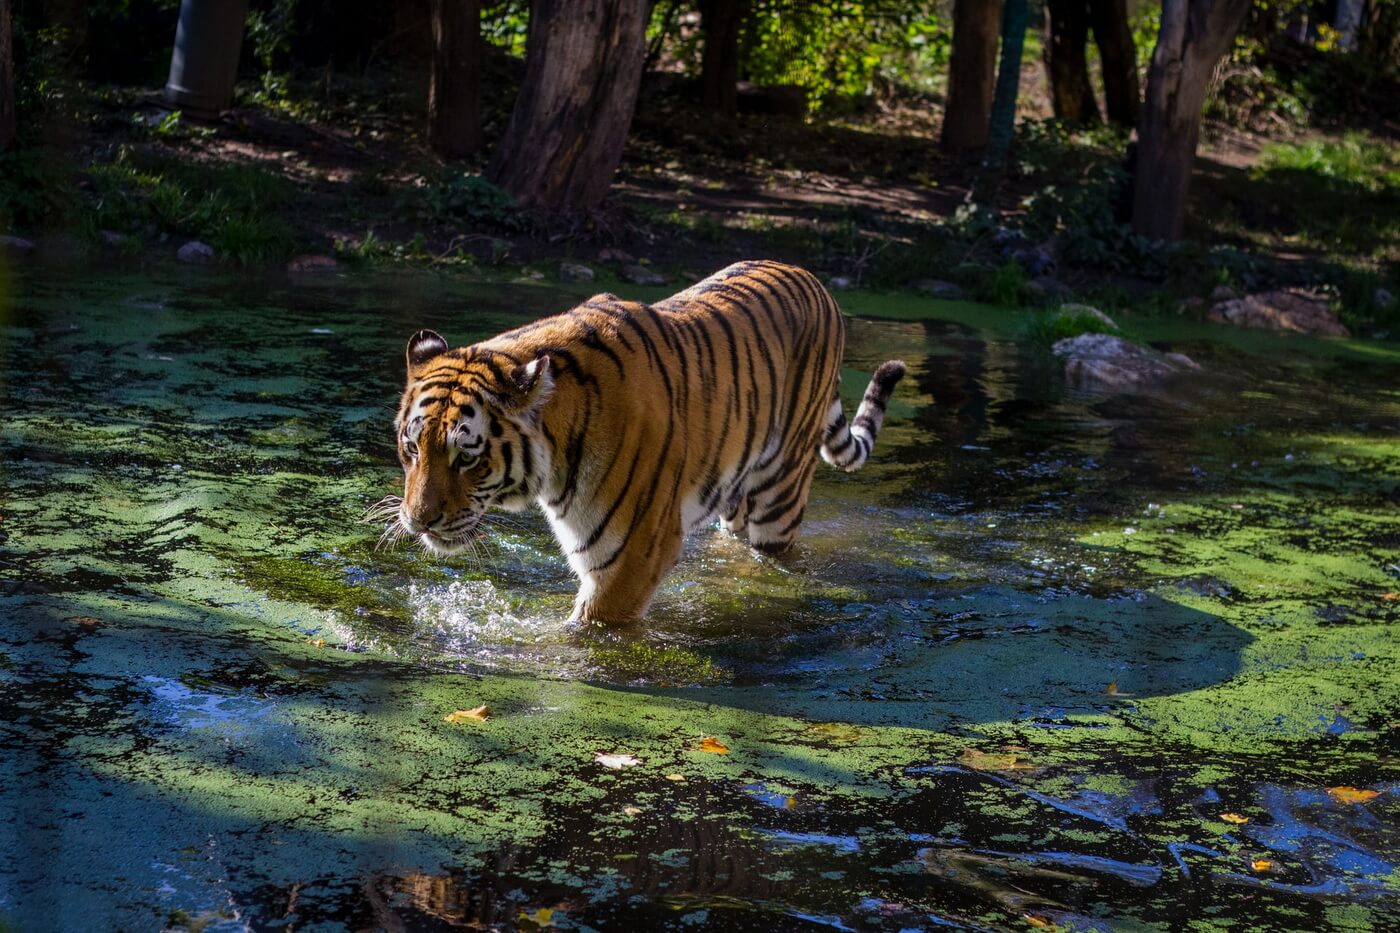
(234,208)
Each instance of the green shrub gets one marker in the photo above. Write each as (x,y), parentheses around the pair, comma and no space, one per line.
(459,197)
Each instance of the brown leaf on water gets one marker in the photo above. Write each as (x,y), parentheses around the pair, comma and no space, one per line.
(1009,759)
(542,917)
(475,714)
(1390,596)
(316,642)
(712,745)
(1352,794)
(1262,864)
(1113,691)
(88,622)
(1040,921)
(1235,818)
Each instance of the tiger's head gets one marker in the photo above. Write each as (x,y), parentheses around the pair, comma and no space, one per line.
(469,438)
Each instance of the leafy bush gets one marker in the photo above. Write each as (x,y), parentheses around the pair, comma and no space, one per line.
(457,196)
(1052,326)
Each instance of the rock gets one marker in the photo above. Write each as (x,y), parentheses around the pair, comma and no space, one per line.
(1045,287)
(1112,362)
(1079,310)
(574,272)
(840,281)
(16,246)
(1382,299)
(1223,293)
(195,252)
(313,263)
(938,288)
(1290,309)
(615,255)
(639,274)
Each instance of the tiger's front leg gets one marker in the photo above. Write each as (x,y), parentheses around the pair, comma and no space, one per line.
(623,591)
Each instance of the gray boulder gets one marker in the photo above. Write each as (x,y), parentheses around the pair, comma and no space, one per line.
(574,272)
(1287,309)
(638,274)
(1106,361)
(195,252)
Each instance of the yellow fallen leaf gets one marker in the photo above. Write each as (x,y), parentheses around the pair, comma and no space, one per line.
(789,803)
(541,917)
(994,761)
(1113,691)
(714,745)
(616,762)
(85,621)
(1261,864)
(475,714)
(316,642)
(1352,794)
(631,811)
(1234,818)
(675,777)
(1390,596)
(1036,920)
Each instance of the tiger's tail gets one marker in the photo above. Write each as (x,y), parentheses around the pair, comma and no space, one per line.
(846,446)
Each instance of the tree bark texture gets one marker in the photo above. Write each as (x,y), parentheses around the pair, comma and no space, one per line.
(971,75)
(723,21)
(582,72)
(1109,19)
(1194,35)
(454,89)
(1071,93)
(7,78)
(1014,19)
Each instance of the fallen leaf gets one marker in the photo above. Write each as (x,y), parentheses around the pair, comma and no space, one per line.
(1036,920)
(541,917)
(1113,691)
(714,745)
(316,642)
(1262,864)
(85,621)
(1390,596)
(631,811)
(838,732)
(475,714)
(1352,794)
(1236,505)
(993,761)
(789,803)
(675,777)
(1234,818)
(616,762)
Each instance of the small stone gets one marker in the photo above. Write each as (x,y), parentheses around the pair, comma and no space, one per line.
(615,255)
(16,246)
(1383,299)
(1289,309)
(840,281)
(937,288)
(313,263)
(574,272)
(195,252)
(639,274)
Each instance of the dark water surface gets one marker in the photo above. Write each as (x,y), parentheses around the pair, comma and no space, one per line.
(1053,658)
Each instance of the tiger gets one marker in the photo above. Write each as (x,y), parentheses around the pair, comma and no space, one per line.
(630,425)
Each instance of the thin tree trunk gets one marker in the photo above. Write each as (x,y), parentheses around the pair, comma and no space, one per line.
(565,137)
(454,90)
(1114,38)
(722,21)
(7,79)
(1194,35)
(971,73)
(1013,42)
(1071,93)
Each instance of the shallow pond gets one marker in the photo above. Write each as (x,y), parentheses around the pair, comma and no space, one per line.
(1052,658)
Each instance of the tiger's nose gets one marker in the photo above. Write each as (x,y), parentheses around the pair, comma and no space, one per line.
(417,524)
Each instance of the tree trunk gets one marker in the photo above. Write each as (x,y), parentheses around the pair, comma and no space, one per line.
(1071,93)
(454,90)
(1013,42)
(7,79)
(722,21)
(583,69)
(1195,34)
(971,72)
(1114,38)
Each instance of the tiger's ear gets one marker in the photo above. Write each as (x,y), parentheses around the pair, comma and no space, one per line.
(423,346)
(532,384)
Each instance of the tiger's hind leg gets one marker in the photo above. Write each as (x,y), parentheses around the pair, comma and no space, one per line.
(776,506)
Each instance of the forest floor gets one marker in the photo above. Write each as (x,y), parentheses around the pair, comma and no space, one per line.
(863,198)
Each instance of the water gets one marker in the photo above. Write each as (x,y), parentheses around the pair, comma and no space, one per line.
(1052,657)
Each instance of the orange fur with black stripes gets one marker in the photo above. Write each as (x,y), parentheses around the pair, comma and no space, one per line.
(631,425)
